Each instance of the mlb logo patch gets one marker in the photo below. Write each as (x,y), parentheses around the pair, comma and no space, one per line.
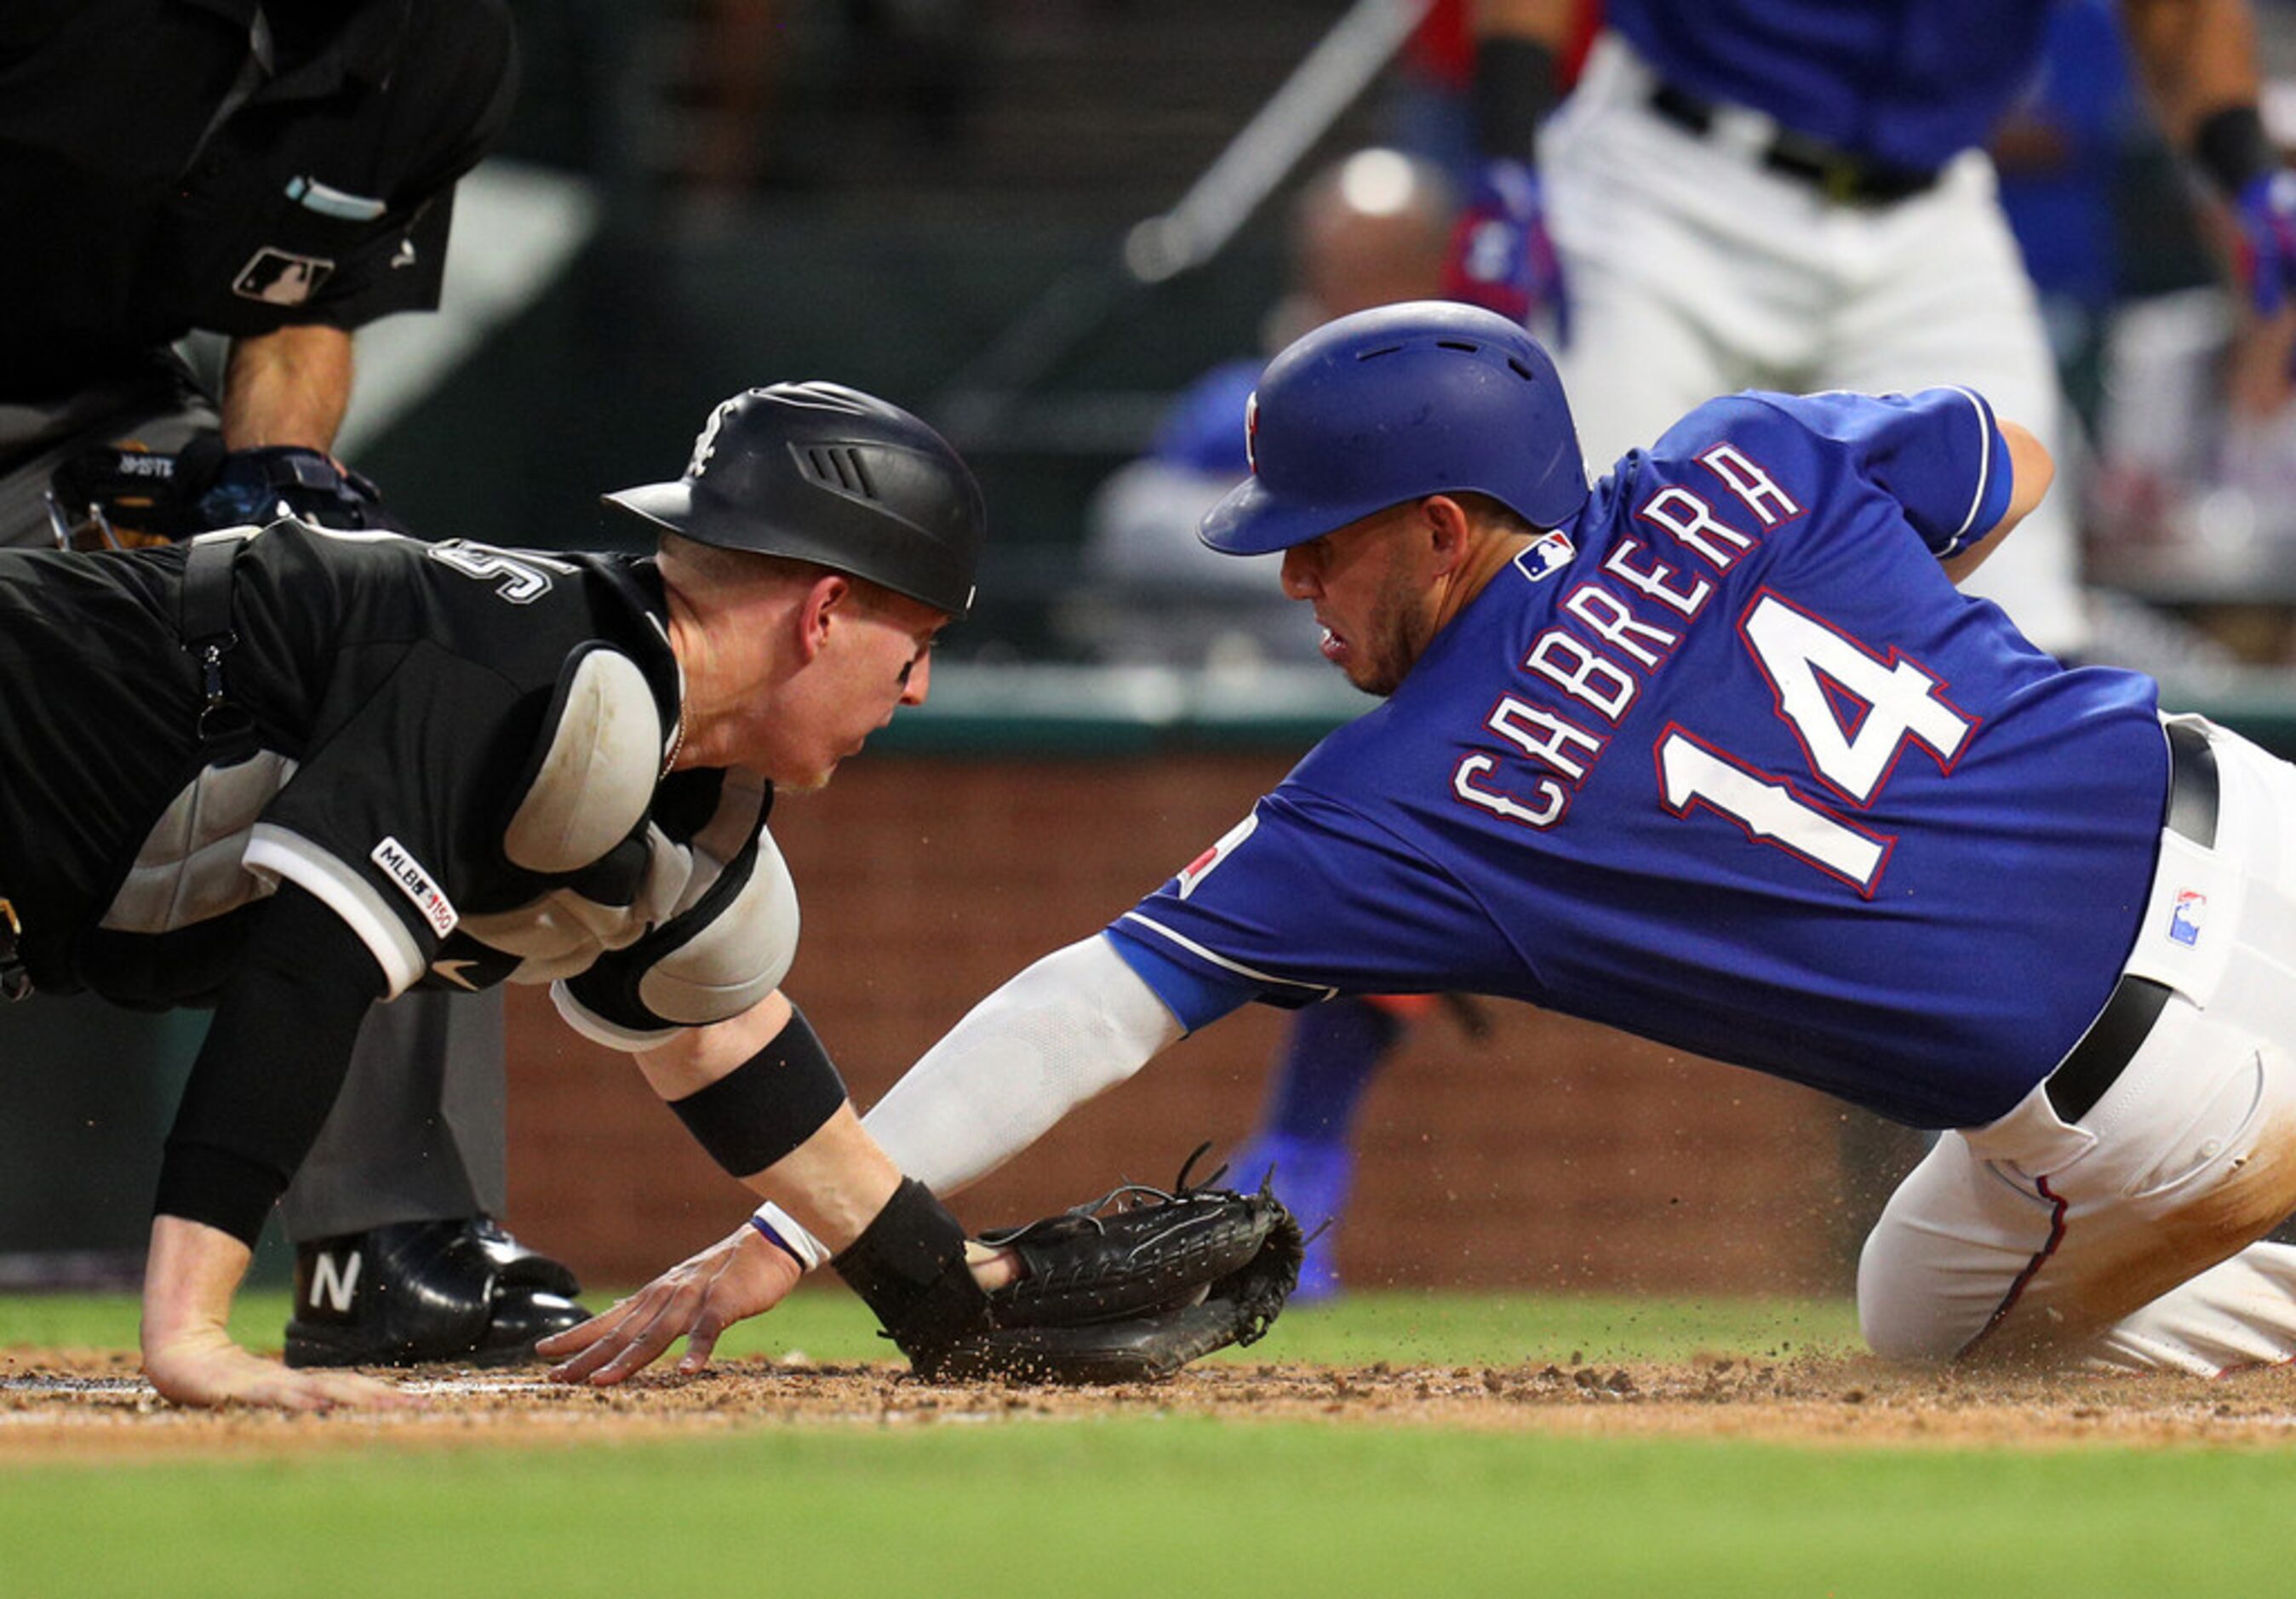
(280,277)
(2185,917)
(408,874)
(1547,556)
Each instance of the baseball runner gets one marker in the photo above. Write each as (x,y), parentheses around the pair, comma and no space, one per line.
(1795,194)
(1715,751)
(283,174)
(293,771)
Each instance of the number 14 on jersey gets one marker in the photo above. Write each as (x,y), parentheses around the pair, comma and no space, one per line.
(1855,715)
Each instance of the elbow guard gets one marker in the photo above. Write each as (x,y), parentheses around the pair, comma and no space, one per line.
(711,963)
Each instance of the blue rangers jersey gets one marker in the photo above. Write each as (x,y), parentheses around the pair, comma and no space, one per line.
(1728,762)
(1913,83)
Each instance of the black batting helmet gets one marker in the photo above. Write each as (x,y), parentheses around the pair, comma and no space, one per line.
(821,472)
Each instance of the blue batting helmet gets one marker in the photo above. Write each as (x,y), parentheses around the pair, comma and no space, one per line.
(1393,404)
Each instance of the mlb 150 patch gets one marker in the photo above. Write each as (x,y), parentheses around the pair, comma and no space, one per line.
(404,870)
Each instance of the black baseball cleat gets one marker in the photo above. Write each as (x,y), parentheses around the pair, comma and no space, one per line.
(462,1291)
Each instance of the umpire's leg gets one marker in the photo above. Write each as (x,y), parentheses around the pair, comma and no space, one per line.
(416,1134)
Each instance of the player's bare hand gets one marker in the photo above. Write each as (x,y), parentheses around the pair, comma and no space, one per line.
(189,1277)
(203,1367)
(739,1276)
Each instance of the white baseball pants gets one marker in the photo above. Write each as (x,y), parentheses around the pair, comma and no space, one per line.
(2125,1238)
(1693,271)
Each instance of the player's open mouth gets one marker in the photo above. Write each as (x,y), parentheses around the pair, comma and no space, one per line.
(1333,647)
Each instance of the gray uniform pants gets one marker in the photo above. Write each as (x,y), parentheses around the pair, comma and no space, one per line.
(417,1133)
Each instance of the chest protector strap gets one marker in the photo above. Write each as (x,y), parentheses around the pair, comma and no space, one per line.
(203,627)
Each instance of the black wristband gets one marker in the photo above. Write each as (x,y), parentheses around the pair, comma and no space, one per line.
(768,1104)
(220,1187)
(909,1267)
(2231,147)
(1516,84)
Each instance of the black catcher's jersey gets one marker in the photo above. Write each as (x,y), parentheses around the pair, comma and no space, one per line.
(458,748)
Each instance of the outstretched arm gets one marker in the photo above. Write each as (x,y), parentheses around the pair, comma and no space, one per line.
(1073,1024)
(759,1093)
(2199,61)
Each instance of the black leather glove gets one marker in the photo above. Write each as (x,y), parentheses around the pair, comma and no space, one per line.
(110,495)
(236,488)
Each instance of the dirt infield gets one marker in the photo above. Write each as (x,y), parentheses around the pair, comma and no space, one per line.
(90,1405)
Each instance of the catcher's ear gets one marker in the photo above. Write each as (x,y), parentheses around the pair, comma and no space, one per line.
(825,604)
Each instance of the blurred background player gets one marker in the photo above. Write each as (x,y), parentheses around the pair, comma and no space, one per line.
(1775,193)
(281,173)
(1370,229)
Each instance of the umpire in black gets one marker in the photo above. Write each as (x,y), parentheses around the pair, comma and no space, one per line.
(281,173)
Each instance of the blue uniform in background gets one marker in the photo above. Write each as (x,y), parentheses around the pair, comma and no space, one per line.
(1794,196)
(2063,210)
(1913,83)
(1727,761)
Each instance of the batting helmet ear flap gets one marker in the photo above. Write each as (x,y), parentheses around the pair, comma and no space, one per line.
(1395,404)
(821,472)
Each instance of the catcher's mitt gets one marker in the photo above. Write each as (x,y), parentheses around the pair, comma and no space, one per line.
(1132,1286)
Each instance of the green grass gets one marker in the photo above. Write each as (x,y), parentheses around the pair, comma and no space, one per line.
(1158,1505)
(1147,1506)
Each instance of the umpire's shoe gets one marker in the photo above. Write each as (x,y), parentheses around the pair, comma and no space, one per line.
(464,1291)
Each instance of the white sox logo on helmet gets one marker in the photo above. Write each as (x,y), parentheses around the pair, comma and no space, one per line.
(706,446)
